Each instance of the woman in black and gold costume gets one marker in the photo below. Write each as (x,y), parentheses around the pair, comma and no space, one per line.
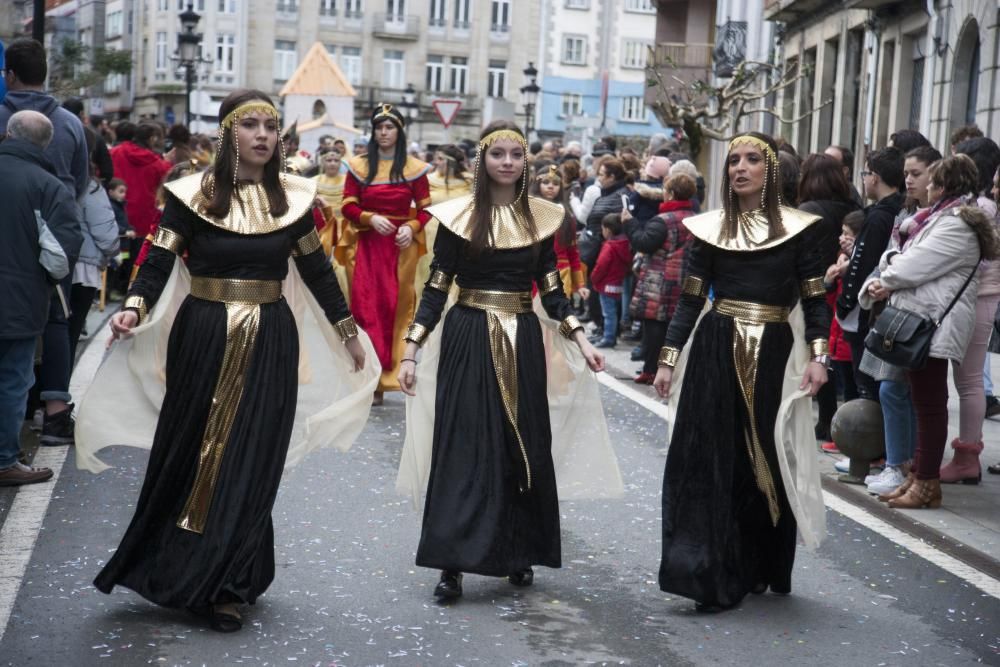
(492,505)
(202,537)
(739,470)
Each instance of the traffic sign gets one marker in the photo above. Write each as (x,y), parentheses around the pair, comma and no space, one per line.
(446,110)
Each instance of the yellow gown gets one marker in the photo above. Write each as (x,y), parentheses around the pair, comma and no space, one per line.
(442,189)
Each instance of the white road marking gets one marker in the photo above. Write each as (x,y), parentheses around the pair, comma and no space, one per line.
(24,520)
(949,564)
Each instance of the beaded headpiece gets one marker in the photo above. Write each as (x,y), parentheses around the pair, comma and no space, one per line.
(497,135)
(232,119)
(771,169)
(492,138)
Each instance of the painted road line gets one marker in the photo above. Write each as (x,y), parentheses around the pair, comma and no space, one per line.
(24,520)
(964,571)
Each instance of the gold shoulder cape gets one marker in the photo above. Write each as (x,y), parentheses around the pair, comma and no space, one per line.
(507,228)
(412,170)
(254,216)
(753,229)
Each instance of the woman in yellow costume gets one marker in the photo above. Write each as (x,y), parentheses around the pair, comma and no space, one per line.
(449,180)
(330,189)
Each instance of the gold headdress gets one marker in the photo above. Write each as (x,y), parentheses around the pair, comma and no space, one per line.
(232,119)
(492,138)
(771,171)
(386,111)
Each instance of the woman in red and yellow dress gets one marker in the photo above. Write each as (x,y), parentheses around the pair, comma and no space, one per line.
(547,184)
(330,189)
(385,194)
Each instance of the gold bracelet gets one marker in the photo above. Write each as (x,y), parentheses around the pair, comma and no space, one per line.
(568,326)
(138,304)
(346,328)
(819,347)
(416,333)
(668,357)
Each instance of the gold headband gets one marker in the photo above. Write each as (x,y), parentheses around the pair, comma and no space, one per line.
(551,173)
(497,135)
(748,140)
(256,106)
(386,112)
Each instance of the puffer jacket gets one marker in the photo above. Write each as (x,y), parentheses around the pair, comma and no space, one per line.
(930,272)
(664,241)
(143,172)
(100,229)
(610,201)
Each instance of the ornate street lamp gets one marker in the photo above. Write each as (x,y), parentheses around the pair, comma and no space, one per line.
(529,93)
(411,110)
(188,55)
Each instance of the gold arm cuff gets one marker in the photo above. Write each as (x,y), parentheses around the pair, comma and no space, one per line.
(440,281)
(568,326)
(138,304)
(168,240)
(346,328)
(307,245)
(551,282)
(416,333)
(668,357)
(811,288)
(365,221)
(694,286)
(818,347)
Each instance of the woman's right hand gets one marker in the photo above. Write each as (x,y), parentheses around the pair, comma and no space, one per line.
(122,324)
(408,370)
(381,224)
(664,376)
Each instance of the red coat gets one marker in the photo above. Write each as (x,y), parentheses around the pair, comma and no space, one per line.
(143,172)
(840,350)
(613,264)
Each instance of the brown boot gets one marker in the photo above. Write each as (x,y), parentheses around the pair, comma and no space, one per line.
(899,490)
(964,467)
(922,493)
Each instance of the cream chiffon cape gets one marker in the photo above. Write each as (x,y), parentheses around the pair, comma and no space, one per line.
(122,404)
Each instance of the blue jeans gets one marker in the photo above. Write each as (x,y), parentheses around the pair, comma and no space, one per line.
(609,309)
(627,298)
(900,421)
(17,364)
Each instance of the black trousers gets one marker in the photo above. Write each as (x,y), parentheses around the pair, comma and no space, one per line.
(654,332)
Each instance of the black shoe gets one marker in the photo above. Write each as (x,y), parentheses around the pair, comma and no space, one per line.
(711,608)
(822,432)
(760,588)
(637,354)
(450,586)
(992,406)
(58,429)
(525,577)
(993,469)
(225,621)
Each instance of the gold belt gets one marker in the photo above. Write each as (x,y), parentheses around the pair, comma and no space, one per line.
(504,302)
(755,313)
(232,290)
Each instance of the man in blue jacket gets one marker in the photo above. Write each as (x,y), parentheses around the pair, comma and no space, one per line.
(41,233)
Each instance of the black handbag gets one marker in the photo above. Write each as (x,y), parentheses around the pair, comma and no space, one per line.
(903,338)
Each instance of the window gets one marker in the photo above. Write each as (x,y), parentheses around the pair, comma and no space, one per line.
(574,51)
(459,71)
(393,69)
(577,4)
(634,54)
(225,53)
(352,9)
(285,59)
(113,24)
(288,6)
(633,109)
(161,50)
(227,6)
(198,5)
(435,74)
(162,5)
(332,50)
(462,14)
(438,14)
(643,6)
(395,10)
(327,7)
(350,63)
(500,16)
(497,79)
(572,104)
(113,83)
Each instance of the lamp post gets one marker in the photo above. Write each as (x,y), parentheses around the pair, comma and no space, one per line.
(529,92)
(188,55)
(411,110)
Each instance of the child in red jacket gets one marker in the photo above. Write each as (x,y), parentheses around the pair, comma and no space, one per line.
(613,264)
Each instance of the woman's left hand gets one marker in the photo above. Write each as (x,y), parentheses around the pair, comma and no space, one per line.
(595,360)
(814,377)
(357,353)
(877,292)
(404,237)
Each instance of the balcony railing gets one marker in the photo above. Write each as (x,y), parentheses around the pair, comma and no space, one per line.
(683,56)
(396,26)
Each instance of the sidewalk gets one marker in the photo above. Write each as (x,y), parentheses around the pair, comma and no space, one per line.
(969,515)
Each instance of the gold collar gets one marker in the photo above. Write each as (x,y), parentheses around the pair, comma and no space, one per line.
(254,216)
(508,228)
(753,228)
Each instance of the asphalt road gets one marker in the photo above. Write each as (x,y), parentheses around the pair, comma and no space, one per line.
(347,592)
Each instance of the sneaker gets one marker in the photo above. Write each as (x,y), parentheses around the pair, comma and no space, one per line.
(843,465)
(886,481)
(637,354)
(19,474)
(992,406)
(37,420)
(604,344)
(830,447)
(58,429)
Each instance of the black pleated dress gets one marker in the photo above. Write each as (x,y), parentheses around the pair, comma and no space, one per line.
(479,516)
(720,537)
(232,558)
